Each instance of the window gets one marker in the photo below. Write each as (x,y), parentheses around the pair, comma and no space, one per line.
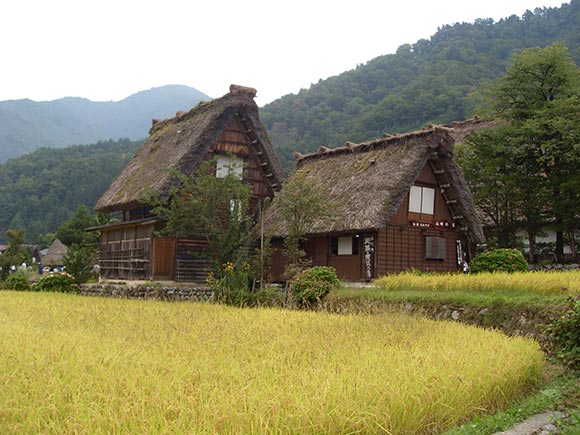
(345,245)
(227,164)
(422,200)
(435,248)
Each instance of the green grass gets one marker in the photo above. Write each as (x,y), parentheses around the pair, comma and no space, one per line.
(560,393)
(469,297)
(484,289)
(73,364)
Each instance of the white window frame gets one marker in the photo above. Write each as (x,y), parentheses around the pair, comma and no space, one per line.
(422,200)
(345,245)
(227,165)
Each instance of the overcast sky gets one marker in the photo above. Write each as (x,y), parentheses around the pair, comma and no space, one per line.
(109,49)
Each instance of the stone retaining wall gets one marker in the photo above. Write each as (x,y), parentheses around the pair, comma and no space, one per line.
(554,267)
(193,293)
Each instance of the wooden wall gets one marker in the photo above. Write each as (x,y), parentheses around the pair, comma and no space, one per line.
(400,246)
(400,249)
(125,252)
(234,140)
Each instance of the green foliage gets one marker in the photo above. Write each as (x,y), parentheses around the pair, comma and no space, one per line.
(57,282)
(72,231)
(524,173)
(312,285)
(437,80)
(234,286)
(300,204)
(15,255)
(563,335)
(499,260)
(78,261)
(214,208)
(17,281)
(40,191)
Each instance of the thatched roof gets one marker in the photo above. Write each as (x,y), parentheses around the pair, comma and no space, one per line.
(368,181)
(180,143)
(55,254)
(459,130)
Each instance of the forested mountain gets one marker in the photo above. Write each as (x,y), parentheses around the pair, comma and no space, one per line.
(41,190)
(27,125)
(437,80)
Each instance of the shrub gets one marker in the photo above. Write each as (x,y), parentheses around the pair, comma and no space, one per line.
(563,335)
(17,281)
(233,288)
(57,282)
(499,260)
(79,263)
(312,285)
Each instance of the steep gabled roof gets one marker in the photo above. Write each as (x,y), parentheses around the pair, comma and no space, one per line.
(367,182)
(55,254)
(181,142)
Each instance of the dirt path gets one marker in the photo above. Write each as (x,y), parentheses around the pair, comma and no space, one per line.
(538,424)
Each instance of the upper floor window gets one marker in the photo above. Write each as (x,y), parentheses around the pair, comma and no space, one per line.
(227,164)
(422,200)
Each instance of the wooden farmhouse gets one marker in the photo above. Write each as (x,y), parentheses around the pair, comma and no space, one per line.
(223,129)
(400,202)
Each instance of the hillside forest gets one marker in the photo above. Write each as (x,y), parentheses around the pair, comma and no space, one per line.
(41,190)
(446,78)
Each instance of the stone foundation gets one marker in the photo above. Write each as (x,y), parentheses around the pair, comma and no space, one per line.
(182,293)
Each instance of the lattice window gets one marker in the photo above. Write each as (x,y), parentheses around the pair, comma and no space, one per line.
(435,248)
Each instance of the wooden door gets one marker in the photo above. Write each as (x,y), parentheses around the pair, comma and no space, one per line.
(163,258)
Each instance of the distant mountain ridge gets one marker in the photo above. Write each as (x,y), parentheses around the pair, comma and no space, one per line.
(27,125)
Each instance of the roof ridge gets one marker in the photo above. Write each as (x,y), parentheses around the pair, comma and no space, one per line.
(377,143)
(236,92)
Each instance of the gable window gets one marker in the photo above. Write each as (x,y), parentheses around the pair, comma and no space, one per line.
(422,200)
(344,245)
(227,164)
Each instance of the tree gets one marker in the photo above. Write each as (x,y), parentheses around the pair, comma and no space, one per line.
(78,261)
(15,255)
(300,204)
(212,207)
(73,232)
(530,163)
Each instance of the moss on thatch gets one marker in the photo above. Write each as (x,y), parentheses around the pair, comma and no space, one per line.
(180,144)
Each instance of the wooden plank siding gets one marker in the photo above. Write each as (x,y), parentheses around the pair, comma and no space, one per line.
(192,263)
(400,246)
(400,249)
(234,139)
(125,252)
(164,258)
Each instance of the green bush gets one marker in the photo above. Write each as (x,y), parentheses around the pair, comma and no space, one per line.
(233,288)
(57,282)
(79,263)
(563,335)
(311,286)
(16,281)
(499,260)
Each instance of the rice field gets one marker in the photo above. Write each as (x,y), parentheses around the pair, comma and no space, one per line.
(72,364)
(539,283)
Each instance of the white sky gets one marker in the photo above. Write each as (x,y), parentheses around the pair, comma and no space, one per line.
(106,50)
